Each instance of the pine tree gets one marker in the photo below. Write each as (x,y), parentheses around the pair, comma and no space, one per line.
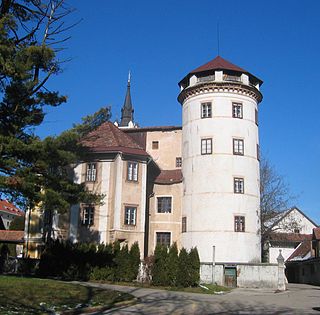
(194,271)
(134,261)
(183,274)
(160,266)
(173,261)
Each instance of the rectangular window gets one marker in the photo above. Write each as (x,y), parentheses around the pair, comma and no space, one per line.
(238,184)
(206,110)
(155,145)
(164,238)
(258,152)
(184,224)
(256,116)
(238,146)
(130,215)
(164,204)
(178,162)
(237,110)
(239,223)
(87,215)
(91,173)
(132,171)
(206,146)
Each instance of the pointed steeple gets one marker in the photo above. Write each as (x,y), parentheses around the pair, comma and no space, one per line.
(127,109)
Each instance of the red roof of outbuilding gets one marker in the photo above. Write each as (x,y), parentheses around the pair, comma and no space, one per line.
(11,236)
(301,251)
(8,207)
(109,138)
(289,237)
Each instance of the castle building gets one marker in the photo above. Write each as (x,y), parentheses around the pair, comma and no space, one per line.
(195,184)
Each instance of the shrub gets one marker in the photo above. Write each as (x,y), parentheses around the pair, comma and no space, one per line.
(173,264)
(183,277)
(160,266)
(134,261)
(105,273)
(194,271)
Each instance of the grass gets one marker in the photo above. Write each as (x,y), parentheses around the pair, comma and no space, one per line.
(41,296)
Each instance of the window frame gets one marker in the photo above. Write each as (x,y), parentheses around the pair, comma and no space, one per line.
(91,172)
(178,161)
(132,175)
(157,205)
(237,110)
(155,145)
(206,110)
(130,218)
(239,223)
(237,147)
(87,215)
(206,151)
(238,185)
(184,225)
(163,233)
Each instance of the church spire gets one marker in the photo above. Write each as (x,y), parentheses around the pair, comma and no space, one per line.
(127,109)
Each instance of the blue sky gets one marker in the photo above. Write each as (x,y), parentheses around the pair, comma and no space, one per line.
(161,41)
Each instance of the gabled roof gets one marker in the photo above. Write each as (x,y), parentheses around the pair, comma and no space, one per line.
(169,177)
(279,217)
(8,207)
(11,236)
(109,138)
(302,252)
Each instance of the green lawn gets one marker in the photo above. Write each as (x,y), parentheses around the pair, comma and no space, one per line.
(39,296)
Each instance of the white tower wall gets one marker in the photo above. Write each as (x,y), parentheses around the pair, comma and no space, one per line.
(209,201)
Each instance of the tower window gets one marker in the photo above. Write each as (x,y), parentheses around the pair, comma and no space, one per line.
(238,185)
(206,146)
(237,110)
(206,110)
(130,215)
(239,223)
(155,145)
(178,161)
(256,116)
(258,152)
(163,238)
(164,204)
(132,171)
(91,173)
(87,215)
(238,146)
(184,224)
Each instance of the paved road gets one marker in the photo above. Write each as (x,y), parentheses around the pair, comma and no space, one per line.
(298,299)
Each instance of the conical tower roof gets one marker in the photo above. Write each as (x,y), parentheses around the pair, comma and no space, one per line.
(127,109)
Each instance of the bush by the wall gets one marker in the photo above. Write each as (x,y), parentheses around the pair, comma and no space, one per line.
(194,263)
(183,279)
(173,260)
(160,266)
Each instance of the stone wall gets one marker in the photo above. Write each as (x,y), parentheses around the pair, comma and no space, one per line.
(249,275)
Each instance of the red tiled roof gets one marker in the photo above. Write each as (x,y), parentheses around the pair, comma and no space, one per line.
(301,251)
(11,236)
(169,177)
(8,207)
(218,63)
(316,233)
(109,138)
(289,237)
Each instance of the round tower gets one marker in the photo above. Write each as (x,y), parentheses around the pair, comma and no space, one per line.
(220,152)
